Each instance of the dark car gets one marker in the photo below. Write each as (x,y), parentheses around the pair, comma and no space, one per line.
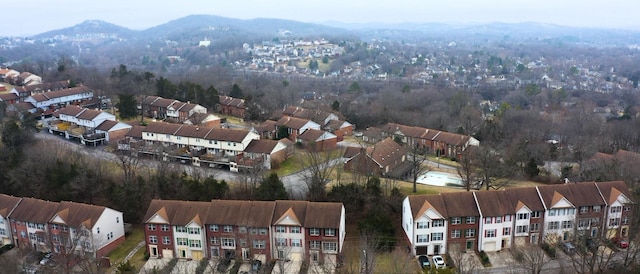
(568,248)
(424,262)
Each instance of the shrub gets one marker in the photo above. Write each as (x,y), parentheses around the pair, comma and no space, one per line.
(202,266)
(549,249)
(484,258)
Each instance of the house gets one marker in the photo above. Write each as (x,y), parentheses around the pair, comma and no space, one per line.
(25,91)
(380,159)
(9,98)
(246,230)
(113,130)
(438,142)
(497,220)
(318,140)
(28,79)
(623,164)
(7,204)
(294,127)
(60,98)
(64,227)
(270,153)
(339,128)
(231,106)
(82,124)
(180,112)
(156,107)
(267,129)
(7,72)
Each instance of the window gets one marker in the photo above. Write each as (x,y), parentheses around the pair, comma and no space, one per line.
(194,230)
(596,208)
(280,242)
(567,224)
(583,223)
(296,243)
(151,227)
(182,241)
(438,223)
(490,233)
(627,208)
(507,218)
(625,220)
(242,229)
(314,231)
(314,244)
(535,214)
(253,231)
(552,212)
(616,209)
(506,231)
(214,228)
(181,229)
(455,233)
(31,225)
(329,232)
(523,216)
(153,239)
(166,240)
(330,247)
(456,220)
(499,219)
(422,225)
(423,238)
(228,242)
(56,237)
(280,229)
(436,236)
(259,244)
(295,229)
(164,227)
(53,226)
(214,241)
(243,242)
(263,231)
(469,233)
(117,220)
(228,228)
(584,210)
(521,229)
(195,243)
(470,220)
(554,225)
(614,222)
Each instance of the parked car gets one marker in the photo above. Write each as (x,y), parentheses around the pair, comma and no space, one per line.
(424,262)
(568,248)
(438,261)
(620,242)
(46,258)
(256,265)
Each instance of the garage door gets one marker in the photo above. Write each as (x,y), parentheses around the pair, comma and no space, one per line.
(167,253)
(490,246)
(296,257)
(196,255)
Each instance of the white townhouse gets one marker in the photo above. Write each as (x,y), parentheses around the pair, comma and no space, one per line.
(84,117)
(560,211)
(7,204)
(424,221)
(60,98)
(496,220)
(288,235)
(619,210)
(529,212)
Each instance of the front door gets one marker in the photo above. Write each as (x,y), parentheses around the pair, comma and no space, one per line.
(154,251)
(245,254)
(436,249)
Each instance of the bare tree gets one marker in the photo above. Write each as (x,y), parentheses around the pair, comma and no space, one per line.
(465,263)
(401,261)
(128,162)
(467,168)
(531,258)
(317,172)
(418,165)
(370,248)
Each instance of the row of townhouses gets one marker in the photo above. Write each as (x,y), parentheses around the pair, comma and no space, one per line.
(247,230)
(60,227)
(495,220)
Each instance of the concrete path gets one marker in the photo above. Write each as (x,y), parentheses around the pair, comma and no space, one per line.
(131,253)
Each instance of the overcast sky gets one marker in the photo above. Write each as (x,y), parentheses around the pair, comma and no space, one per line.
(29,17)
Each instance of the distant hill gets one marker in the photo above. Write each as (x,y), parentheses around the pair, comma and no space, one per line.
(90,27)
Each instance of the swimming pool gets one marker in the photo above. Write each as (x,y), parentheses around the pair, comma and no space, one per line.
(439,178)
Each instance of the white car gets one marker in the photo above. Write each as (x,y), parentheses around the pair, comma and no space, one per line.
(438,261)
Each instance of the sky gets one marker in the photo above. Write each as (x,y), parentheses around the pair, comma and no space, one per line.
(31,17)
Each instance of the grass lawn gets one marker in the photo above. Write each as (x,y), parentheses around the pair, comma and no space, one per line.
(132,239)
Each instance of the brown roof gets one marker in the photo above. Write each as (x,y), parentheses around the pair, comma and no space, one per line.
(230,101)
(162,128)
(41,97)
(44,87)
(261,146)
(136,132)
(266,126)
(421,203)
(71,110)
(7,203)
(34,211)
(494,203)
(89,114)
(351,152)
(8,97)
(76,214)
(299,208)
(551,193)
(627,156)
(311,134)
(241,213)
(162,102)
(460,204)
(452,138)
(583,194)
(527,196)
(193,131)
(323,215)
(292,122)
(178,212)
(611,190)
(386,152)
(106,125)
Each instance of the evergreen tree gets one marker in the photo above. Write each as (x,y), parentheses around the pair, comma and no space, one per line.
(271,189)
